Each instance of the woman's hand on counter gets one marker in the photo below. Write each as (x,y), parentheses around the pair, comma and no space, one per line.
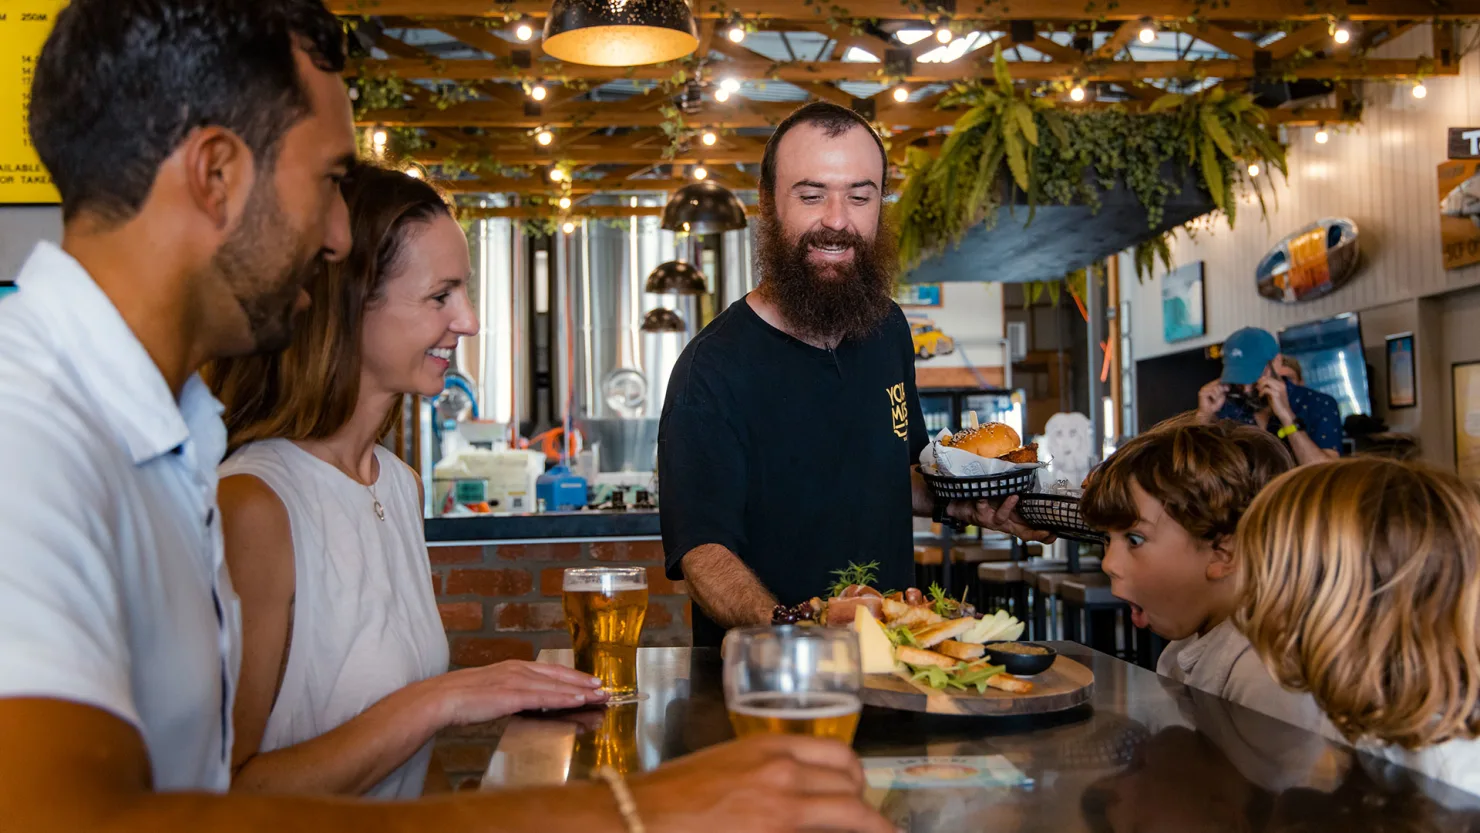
(762,784)
(478,695)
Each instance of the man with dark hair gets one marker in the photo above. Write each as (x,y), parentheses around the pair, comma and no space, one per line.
(792,421)
(199,146)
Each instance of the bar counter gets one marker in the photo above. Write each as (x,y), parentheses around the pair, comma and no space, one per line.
(545,527)
(1146,754)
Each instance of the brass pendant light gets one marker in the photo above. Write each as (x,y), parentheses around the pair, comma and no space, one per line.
(620,33)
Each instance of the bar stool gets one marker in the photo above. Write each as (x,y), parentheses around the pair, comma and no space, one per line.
(998,586)
(1045,599)
(1089,605)
(927,566)
(969,560)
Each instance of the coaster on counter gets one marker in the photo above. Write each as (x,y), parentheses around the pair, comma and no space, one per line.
(943,771)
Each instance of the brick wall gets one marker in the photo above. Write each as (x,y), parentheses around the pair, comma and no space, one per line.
(503,602)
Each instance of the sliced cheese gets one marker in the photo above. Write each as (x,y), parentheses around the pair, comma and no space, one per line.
(874,647)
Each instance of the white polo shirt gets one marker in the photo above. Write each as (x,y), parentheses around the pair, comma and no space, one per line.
(113,589)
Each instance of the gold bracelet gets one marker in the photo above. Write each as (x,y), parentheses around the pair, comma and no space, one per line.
(620,791)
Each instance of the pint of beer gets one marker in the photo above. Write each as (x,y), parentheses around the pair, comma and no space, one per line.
(604,609)
(793,681)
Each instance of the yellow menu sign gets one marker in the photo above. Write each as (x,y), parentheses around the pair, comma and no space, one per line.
(24,25)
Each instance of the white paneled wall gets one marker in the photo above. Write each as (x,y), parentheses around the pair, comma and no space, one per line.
(1380,173)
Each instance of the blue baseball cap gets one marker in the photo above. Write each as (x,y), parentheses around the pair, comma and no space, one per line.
(1245,355)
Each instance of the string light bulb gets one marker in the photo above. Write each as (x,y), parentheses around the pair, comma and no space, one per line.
(1076,94)
(1419,90)
(564,203)
(414,172)
(943,34)
(378,139)
(1342,34)
(544,137)
(556,175)
(901,94)
(1253,169)
(730,84)
(709,138)
(568,227)
(538,92)
(524,31)
(721,95)
(699,172)
(736,33)
(1148,32)
(1322,137)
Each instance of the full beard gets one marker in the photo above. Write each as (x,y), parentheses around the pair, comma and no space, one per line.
(264,272)
(837,301)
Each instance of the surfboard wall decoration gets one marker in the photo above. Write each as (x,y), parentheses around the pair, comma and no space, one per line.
(1311,262)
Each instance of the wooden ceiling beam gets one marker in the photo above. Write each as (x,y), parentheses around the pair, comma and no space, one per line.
(585,187)
(1046,10)
(1117,41)
(1293,42)
(805,72)
(600,212)
(1221,38)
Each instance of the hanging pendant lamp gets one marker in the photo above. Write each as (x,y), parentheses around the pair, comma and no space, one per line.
(620,33)
(663,320)
(677,277)
(703,208)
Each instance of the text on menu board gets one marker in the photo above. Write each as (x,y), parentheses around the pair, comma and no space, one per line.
(24,25)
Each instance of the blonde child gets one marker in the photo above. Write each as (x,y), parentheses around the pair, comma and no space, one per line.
(1170,501)
(1361,585)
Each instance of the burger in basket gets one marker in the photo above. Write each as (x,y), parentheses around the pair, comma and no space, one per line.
(994,440)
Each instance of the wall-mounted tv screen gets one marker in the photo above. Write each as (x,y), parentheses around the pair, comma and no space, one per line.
(1331,358)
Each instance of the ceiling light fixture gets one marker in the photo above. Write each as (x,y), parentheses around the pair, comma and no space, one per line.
(700,173)
(544,137)
(943,33)
(1148,31)
(1322,137)
(568,227)
(901,94)
(1076,94)
(620,33)
(736,32)
(721,95)
(524,31)
(564,203)
(1419,90)
(730,84)
(379,139)
(1253,169)
(1342,33)
(709,138)
(538,92)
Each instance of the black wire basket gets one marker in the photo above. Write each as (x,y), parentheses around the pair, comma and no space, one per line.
(1058,514)
(993,486)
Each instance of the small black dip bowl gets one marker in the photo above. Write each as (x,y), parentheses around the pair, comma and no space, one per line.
(1022,665)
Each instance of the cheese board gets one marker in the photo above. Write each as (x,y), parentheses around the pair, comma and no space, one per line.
(1065,685)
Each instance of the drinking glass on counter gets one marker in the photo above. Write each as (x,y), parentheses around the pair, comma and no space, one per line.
(604,609)
(793,681)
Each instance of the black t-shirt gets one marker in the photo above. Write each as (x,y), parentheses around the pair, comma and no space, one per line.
(794,458)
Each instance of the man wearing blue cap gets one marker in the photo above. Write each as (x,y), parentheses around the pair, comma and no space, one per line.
(1253,392)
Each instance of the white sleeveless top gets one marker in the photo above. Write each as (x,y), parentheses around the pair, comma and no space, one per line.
(365,622)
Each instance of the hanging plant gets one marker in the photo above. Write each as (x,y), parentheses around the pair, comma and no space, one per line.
(1011,141)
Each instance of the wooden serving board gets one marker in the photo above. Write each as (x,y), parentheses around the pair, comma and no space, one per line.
(1064,685)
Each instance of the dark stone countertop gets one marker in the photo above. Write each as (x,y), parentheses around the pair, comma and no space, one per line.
(1145,754)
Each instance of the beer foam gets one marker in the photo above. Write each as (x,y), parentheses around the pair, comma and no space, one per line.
(822,704)
(604,582)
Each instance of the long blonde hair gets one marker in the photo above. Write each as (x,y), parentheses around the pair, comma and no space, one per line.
(1361,584)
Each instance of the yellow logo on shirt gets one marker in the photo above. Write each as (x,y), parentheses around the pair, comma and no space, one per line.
(900,411)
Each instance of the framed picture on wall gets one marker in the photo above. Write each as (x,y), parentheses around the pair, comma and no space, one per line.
(917,295)
(1182,303)
(1466,378)
(1402,388)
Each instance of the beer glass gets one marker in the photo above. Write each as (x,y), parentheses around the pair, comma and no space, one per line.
(604,609)
(613,742)
(793,681)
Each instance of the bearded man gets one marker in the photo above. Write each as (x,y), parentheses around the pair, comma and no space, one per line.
(792,421)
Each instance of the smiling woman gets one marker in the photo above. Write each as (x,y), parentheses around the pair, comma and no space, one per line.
(323,527)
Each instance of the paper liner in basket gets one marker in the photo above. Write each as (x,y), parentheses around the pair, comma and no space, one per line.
(945,461)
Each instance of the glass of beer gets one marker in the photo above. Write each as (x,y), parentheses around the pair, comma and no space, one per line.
(793,681)
(604,609)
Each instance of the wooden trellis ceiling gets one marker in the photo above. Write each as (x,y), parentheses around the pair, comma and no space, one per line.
(609,123)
